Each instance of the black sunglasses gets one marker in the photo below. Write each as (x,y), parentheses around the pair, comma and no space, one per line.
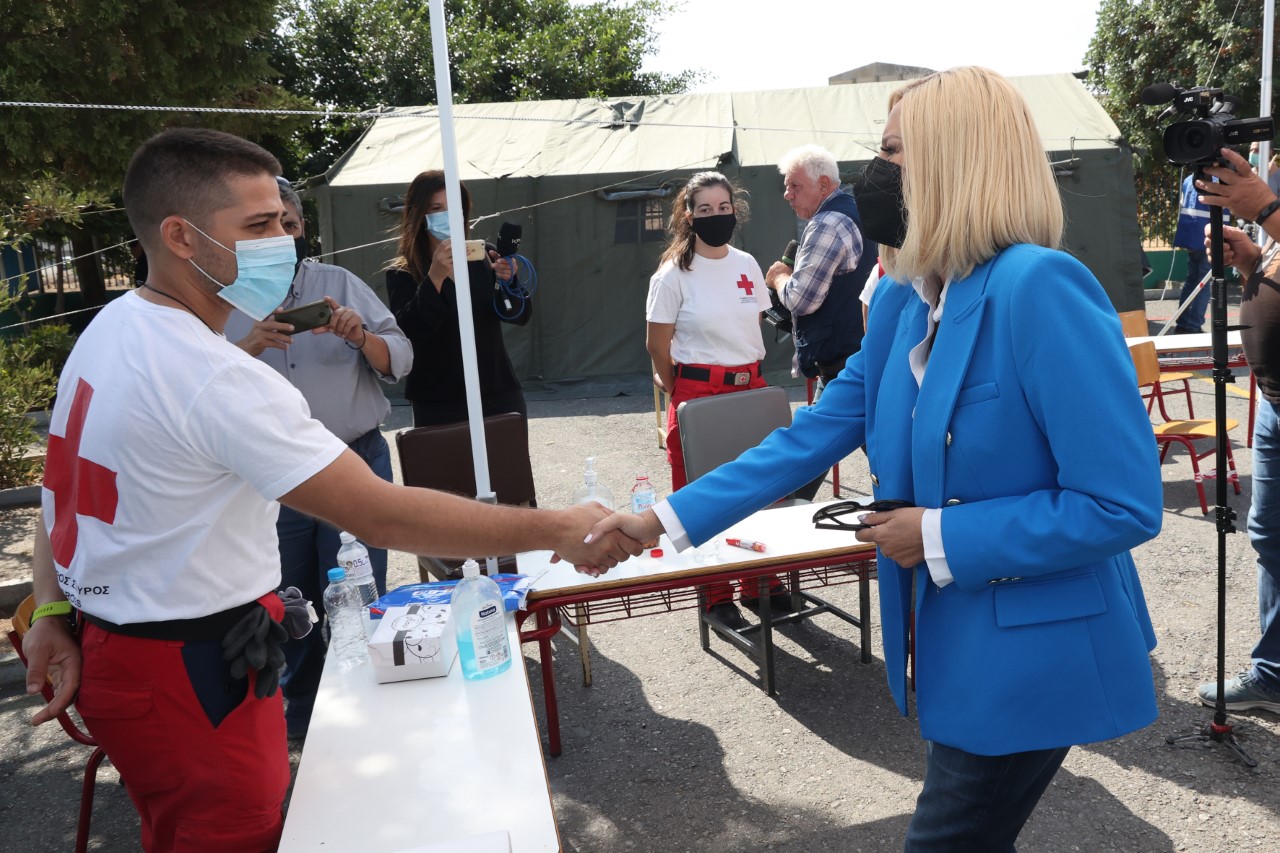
(831,517)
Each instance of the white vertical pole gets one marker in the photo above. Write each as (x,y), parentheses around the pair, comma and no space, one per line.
(1268,51)
(461,278)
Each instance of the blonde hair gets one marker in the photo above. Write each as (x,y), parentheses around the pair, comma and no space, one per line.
(975,177)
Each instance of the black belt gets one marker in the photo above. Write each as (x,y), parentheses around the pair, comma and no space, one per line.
(703,374)
(215,626)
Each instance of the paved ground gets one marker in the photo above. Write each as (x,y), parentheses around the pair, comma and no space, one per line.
(673,749)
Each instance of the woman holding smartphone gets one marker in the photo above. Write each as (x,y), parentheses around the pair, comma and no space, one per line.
(423,297)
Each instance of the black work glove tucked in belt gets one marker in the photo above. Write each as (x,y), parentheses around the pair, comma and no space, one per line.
(299,615)
(255,643)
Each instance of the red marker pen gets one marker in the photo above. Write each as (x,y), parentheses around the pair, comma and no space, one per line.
(747,544)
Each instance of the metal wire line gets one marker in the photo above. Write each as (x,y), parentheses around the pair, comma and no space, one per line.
(430,112)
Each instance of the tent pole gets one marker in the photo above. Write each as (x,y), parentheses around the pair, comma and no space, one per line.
(461,278)
(1268,57)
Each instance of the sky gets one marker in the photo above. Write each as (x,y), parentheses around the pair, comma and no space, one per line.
(748,45)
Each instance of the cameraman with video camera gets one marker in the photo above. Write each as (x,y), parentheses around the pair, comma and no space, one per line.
(1249,197)
(822,289)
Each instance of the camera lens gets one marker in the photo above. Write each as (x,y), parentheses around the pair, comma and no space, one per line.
(1192,141)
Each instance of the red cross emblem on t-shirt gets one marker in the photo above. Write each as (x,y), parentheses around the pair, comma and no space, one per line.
(79,486)
(746,284)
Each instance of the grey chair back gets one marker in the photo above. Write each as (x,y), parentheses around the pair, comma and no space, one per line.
(716,430)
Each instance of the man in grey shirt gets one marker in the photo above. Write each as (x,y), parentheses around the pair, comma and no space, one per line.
(338,368)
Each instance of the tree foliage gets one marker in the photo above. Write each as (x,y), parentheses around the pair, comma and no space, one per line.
(144,52)
(1188,43)
(56,162)
(360,54)
(275,54)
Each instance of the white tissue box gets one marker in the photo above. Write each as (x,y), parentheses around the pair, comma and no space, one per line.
(413,641)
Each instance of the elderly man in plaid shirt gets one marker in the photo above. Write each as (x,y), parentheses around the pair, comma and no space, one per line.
(831,267)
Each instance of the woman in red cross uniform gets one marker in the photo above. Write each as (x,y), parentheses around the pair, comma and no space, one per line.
(703,315)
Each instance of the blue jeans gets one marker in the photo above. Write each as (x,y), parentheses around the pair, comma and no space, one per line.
(1192,320)
(308,549)
(978,803)
(1264,534)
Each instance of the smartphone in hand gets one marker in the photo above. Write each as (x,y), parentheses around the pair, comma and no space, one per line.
(304,318)
(475,250)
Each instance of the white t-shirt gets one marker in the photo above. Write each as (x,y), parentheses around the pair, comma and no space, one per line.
(869,289)
(715,307)
(174,446)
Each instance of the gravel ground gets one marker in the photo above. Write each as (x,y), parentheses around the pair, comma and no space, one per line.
(673,749)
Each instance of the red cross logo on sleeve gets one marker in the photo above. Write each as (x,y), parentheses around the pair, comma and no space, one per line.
(79,486)
(746,284)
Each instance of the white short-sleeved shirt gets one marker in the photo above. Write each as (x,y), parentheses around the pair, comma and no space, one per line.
(715,307)
(869,289)
(168,449)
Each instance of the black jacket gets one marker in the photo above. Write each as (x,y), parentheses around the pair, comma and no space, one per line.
(430,320)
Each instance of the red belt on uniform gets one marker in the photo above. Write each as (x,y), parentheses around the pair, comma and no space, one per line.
(710,372)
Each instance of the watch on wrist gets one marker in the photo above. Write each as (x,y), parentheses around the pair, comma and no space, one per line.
(53,608)
(1267,211)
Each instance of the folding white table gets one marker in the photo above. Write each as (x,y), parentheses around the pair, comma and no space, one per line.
(390,767)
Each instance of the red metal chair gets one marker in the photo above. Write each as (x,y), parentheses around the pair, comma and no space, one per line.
(1186,432)
(21,622)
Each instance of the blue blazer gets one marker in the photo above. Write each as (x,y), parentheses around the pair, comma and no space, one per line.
(1028,430)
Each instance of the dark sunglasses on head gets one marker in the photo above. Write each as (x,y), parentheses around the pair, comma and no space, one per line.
(832,517)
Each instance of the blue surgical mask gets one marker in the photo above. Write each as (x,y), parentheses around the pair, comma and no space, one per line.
(264,271)
(438,224)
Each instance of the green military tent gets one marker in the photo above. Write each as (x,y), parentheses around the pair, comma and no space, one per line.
(592,181)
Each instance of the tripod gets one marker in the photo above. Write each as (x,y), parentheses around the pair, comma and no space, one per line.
(1219,730)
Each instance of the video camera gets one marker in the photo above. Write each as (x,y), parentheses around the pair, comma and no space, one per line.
(1196,141)
(777,314)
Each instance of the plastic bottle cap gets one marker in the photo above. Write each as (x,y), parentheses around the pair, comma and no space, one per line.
(655,553)
(471,569)
(346,537)
(337,575)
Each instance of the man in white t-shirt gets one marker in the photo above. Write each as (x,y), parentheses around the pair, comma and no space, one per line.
(168,450)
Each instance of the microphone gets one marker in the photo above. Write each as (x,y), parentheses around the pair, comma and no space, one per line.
(509,239)
(789,256)
(1158,93)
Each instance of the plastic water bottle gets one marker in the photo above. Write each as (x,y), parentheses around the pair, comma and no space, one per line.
(346,633)
(353,557)
(591,491)
(643,496)
(480,619)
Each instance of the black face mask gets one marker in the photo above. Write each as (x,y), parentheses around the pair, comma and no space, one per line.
(878,192)
(300,248)
(716,230)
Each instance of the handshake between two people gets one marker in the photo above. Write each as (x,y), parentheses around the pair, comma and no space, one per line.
(610,539)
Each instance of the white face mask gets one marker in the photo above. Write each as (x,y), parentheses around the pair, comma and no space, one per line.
(438,224)
(264,271)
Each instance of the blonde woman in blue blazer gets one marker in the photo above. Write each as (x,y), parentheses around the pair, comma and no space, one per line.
(995,393)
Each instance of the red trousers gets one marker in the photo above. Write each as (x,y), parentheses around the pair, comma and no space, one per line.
(198,787)
(688,389)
